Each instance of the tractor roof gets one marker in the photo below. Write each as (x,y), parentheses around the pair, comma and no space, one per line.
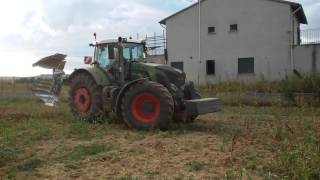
(111,41)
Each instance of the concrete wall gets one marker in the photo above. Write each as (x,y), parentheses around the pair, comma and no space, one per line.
(264,32)
(158,59)
(307,58)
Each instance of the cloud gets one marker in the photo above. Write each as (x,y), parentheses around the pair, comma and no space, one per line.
(46,27)
(42,27)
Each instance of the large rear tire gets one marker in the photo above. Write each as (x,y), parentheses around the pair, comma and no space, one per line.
(147,105)
(85,99)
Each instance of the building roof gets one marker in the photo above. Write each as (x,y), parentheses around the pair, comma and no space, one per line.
(294,6)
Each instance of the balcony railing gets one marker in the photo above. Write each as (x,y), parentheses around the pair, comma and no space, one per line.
(310,36)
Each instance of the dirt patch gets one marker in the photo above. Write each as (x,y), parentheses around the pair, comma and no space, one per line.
(152,155)
(197,151)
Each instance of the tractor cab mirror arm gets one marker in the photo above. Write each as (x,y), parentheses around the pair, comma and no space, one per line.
(144,44)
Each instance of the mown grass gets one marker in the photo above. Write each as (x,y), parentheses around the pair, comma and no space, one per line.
(29,165)
(82,151)
(197,166)
(289,135)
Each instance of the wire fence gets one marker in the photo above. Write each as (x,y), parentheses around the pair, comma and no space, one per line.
(310,36)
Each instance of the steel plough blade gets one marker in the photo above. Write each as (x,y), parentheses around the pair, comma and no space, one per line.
(48,87)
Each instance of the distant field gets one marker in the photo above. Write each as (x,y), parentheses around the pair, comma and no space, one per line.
(273,142)
(16,87)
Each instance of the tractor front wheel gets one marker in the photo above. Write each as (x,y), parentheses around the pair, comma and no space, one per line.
(85,98)
(147,105)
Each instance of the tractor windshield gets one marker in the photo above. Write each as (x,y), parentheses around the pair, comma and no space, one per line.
(133,52)
(107,54)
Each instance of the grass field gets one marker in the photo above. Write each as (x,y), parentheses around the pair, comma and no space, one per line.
(38,142)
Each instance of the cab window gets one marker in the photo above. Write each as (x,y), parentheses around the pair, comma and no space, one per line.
(103,56)
(126,53)
(137,53)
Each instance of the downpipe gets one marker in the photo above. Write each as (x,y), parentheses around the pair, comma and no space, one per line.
(292,38)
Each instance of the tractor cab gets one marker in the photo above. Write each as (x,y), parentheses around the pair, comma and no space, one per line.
(109,51)
(117,57)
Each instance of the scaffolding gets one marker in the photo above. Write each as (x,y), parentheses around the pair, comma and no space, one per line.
(156,44)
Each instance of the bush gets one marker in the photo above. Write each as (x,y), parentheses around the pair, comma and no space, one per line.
(298,90)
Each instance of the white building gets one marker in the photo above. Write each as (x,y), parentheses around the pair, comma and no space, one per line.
(240,40)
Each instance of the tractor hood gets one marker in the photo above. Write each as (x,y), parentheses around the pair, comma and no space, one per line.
(164,68)
(174,75)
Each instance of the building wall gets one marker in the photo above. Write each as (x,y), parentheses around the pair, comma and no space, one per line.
(264,29)
(307,58)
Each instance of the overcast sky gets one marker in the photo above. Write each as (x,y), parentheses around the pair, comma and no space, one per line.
(31,29)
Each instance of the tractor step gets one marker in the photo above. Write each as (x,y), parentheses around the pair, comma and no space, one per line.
(202,106)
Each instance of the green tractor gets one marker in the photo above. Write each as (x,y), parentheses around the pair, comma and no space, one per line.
(120,83)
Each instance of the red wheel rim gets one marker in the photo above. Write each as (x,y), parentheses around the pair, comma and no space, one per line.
(146,107)
(82,99)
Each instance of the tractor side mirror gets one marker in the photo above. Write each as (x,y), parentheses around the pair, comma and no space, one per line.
(95,37)
(87,60)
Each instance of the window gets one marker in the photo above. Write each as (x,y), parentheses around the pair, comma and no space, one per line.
(177,65)
(137,53)
(211,30)
(211,67)
(111,52)
(103,56)
(126,53)
(246,65)
(233,27)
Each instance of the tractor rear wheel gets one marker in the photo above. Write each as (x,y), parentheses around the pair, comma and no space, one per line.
(85,99)
(147,105)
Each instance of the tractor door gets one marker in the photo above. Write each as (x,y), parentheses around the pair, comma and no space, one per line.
(108,58)
(131,53)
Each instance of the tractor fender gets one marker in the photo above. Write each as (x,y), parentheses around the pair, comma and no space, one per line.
(117,106)
(99,77)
